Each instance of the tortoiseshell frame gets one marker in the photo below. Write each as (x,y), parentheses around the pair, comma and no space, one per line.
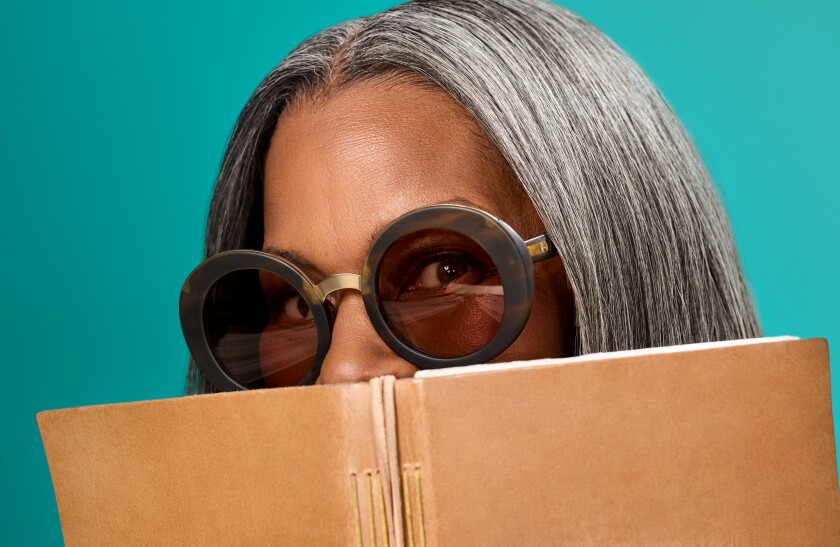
(512,256)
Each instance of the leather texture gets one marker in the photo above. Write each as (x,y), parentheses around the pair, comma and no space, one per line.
(265,467)
(726,445)
(722,446)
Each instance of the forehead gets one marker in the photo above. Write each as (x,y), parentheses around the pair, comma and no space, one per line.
(338,169)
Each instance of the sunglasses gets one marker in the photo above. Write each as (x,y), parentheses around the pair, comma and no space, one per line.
(444,286)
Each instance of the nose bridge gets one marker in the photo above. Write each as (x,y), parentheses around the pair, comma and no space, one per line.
(338,282)
(357,353)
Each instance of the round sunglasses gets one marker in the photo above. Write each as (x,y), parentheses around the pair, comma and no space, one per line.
(444,286)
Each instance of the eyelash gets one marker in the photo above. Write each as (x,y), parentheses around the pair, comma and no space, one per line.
(280,301)
(420,264)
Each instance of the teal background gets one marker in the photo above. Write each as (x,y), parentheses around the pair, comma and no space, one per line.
(115,117)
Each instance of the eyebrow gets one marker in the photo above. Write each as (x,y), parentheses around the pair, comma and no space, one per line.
(298,259)
(454,200)
(457,200)
(301,261)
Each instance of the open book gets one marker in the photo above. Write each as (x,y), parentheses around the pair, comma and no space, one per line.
(724,443)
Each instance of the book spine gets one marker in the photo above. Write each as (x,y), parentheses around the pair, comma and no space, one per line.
(383,415)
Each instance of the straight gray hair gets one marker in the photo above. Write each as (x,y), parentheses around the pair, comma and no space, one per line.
(618,183)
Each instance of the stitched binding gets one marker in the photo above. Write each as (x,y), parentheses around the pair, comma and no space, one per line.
(413,508)
(409,525)
(421,527)
(371,524)
(381,503)
(357,519)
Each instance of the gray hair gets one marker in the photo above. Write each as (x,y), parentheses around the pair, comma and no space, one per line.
(613,175)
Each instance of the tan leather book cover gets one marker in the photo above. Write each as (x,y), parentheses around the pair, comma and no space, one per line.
(703,444)
(264,467)
(724,444)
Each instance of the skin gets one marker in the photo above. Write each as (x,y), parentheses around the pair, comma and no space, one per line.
(344,163)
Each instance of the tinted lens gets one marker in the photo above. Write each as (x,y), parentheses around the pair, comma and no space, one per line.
(260,329)
(441,293)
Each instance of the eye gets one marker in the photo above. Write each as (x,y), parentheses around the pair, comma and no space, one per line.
(446,269)
(292,307)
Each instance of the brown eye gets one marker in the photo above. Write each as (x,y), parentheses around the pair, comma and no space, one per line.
(295,308)
(440,292)
(448,269)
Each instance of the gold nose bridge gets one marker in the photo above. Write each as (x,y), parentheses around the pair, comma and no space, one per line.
(338,282)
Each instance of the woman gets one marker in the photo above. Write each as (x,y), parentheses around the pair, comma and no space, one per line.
(515,110)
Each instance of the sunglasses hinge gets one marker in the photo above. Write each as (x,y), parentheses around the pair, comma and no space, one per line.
(540,248)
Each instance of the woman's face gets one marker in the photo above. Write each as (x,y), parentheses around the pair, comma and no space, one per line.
(339,169)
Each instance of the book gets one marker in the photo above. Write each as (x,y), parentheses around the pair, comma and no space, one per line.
(715,443)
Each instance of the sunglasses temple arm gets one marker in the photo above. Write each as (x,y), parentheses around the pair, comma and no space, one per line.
(540,248)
